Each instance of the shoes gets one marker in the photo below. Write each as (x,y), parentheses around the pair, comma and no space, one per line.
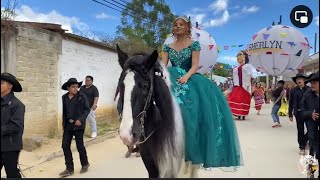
(243,117)
(94,135)
(84,169)
(276,125)
(66,173)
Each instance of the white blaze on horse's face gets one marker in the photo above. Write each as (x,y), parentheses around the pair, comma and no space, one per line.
(127,120)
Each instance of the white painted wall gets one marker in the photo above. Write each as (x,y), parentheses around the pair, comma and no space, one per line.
(78,61)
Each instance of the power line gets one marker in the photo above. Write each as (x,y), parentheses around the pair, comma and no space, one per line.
(107,6)
(131,9)
(119,10)
(124,1)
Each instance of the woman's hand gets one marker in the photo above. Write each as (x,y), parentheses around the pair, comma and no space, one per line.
(183,80)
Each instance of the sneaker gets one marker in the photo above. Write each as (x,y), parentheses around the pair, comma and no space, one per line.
(302,152)
(276,124)
(66,173)
(84,169)
(94,135)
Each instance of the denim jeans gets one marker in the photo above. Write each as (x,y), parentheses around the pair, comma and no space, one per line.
(92,120)
(274,113)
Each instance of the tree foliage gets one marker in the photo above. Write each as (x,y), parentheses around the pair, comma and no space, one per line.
(224,72)
(8,13)
(146,22)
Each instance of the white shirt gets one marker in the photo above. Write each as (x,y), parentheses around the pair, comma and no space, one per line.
(247,74)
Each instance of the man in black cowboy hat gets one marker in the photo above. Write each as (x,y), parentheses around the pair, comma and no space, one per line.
(310,112)
(294,108)
(75,111)
(12,125)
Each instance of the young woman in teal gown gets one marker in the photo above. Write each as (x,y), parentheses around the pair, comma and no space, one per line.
(211,138)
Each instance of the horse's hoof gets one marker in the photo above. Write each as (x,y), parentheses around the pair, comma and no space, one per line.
(138,154)
(128,154)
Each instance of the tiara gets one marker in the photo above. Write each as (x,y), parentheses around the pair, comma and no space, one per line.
(183,18)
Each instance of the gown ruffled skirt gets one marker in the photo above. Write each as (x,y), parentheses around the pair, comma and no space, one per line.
(211,138)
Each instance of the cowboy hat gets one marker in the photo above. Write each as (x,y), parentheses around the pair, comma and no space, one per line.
(299,75)
(70,82)
(313,77)
(16,86)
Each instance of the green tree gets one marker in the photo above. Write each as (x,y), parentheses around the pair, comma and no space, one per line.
(8,13)
(224,72)
(146,22)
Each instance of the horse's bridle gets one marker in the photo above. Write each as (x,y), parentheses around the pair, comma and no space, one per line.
(150,98)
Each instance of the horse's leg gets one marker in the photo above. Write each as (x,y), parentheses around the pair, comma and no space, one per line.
(137,151)
(128,154)
(194,171)
(149,163)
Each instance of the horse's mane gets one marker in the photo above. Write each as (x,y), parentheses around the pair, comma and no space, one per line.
(165,129)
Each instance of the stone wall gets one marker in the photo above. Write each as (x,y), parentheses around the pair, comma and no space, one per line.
(45,60)
(37,64)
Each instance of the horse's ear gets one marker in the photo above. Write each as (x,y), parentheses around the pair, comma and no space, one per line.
(151,60)
(122,56)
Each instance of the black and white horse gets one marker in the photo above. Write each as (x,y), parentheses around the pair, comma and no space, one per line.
(150,115)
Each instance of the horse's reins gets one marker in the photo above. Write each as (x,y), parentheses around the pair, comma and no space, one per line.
(143,114)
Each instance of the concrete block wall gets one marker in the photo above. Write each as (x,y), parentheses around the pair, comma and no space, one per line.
(37,64)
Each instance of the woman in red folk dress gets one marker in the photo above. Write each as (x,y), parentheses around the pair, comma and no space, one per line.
(258,95)
(240,98)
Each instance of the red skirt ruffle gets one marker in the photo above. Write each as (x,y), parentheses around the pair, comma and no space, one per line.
(239,101)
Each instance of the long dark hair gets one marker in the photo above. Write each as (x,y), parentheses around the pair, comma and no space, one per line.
(246,60)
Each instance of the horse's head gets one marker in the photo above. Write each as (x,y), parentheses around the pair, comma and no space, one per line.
(136,87)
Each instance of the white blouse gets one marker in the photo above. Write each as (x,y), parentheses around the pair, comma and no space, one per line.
(247,74)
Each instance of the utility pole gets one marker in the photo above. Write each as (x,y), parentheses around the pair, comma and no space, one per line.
(315,42)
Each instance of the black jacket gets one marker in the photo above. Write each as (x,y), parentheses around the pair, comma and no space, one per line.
(309,104)
(12,123)
(293,100)
(82,110)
